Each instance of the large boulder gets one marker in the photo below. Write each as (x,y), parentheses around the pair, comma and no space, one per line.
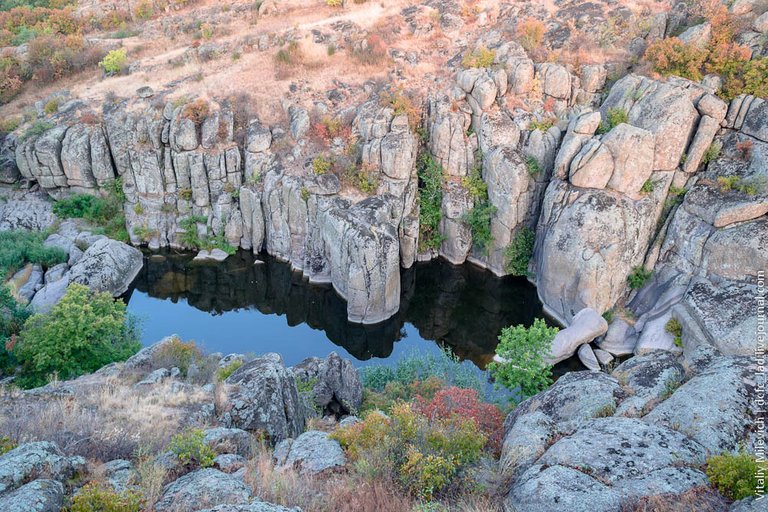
(36,496)
(107,266)
(337,387)
(228,440)
(202,489)
(607,462)
(586,325)
(29,460)
(311,453)
(262,396)
(649,379)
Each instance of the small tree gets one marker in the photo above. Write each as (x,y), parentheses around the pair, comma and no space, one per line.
(524,351)
(114,62)
(83,332)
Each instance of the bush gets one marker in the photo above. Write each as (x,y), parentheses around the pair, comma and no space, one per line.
(478,58)
(19,247)
(533,165)
(177,353)
(12,318)
(197,111)
(647,187)
(223,373)
(530,33)
(734,475)
(94,497)
(321,164)
(192,239)
(524,351)
(673,57)
(6,444)
(105,212)
(430,175)
(638,277)
(613,118)
(675,328)
(38,128)
(334,3)
(479,221)
(519,252)
(465,403)
(474,183)
(83,332)
(427,454)
(372,52)
(712,152)
(191,449)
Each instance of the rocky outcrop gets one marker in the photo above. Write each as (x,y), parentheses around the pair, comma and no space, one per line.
(337,387)
(261,396)
(33,213)
(573,447)
(107,266)
(21,468)
(203,489)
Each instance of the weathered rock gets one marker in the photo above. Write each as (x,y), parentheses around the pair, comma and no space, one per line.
(298,119)
(713,407)
(36,496)
(311,453)
(229,463)
(337,388)
(585,326)
(697,35)
(262,396)
(631,459)
(202,489)
(119,474)
(257,506)
(107,266)
(215,255)
(49,295)
(650,379)
(32,213)
(31,459)
(588,358)
(228,440)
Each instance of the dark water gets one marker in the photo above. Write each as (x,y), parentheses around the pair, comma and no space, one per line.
(256,304)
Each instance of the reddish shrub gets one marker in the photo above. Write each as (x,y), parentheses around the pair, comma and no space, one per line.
(465,403)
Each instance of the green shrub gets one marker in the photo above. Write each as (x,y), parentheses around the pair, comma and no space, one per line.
(638,277)
(192,239)
(750,186)
(734,475)
(712,152)
(480,57)
(533,165)
(675,328)
(84,331)
(114,62)
(647,187)
(51,107)
(430,175)
(105,212)
(524,351)
(190,448)
(479,221)
(12,318)
(426,453)
(542,125)
(6,444)
(177,353)
(94,497)
(37,129)
(19,247)
(223,373)
(613,118)
(474,183)
(321,165)
(519,252)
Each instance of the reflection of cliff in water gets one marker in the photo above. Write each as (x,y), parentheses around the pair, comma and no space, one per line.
(461,307)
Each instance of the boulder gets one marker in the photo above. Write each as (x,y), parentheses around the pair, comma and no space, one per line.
(202,489)
(229,463)
(311,453)
(28,460)
(119,474)
(713,407)
(229,440)
(697,35)
(262,396)
(649,378)
(36,496)
(337,387)
(107,266)
(588,358)
(50,294)
(630,459)
(214,255)
(586,325)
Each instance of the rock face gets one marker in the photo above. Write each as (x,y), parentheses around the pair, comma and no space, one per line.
(32,213)
(337,388)
(311,453)
(36,496)
(261,396)
(203,489)
(585,327)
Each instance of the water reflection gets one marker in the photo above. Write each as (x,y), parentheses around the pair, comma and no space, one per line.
(463,307)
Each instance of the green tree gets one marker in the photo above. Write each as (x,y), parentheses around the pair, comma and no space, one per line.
(524,351)
(83,332)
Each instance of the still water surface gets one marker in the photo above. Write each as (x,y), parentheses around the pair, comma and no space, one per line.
(256,304)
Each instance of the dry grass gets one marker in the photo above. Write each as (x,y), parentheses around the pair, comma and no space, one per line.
(698,499)
(101,422)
